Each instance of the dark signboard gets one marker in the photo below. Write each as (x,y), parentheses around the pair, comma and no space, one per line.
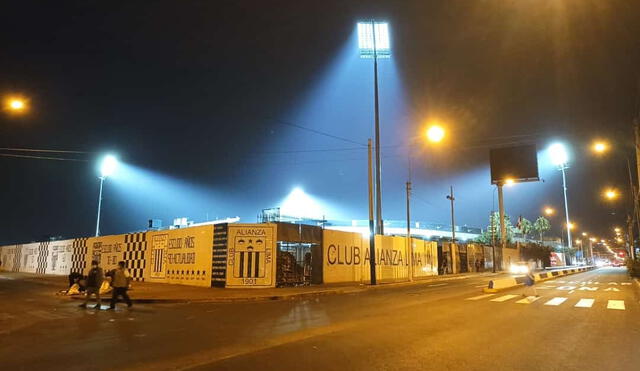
(519,164)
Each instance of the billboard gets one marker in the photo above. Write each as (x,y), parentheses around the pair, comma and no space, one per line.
(519,163)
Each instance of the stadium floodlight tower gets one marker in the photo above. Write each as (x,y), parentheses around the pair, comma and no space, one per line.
(560,158)
(374,43)
(108,166)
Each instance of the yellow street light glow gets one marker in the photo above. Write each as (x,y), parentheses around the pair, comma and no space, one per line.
(508,181)
(616,229)
(15,104)
(592,239)
(579,241)
(571,225)
(549,211)
(600,147)
(435,133)
(585,234)
(610,194)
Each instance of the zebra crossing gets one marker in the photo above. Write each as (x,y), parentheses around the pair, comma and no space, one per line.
(552,301)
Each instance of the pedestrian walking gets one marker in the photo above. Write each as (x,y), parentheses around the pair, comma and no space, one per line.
(477,265)
(120,280)
(94,281)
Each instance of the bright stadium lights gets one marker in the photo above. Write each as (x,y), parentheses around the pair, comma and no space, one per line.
(299,204)
(374,45)
(108,166)
(558,154)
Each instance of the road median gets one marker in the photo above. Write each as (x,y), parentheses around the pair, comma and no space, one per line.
(510,282)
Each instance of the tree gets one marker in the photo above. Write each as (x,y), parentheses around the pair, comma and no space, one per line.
(541,225)
(493,233)
(525,227)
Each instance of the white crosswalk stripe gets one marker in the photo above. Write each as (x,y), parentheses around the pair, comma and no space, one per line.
(480,297)
(504,298)
(584,303)
(528,300)
(556,301)
(616,304)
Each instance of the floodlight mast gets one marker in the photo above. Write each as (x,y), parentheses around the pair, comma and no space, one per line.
(560,158)
(107,168)
(369,47)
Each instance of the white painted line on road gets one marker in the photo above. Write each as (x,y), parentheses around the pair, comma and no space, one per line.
(480,297)
(556,301)
(626,283)
(528,300)
(504,298)
(480,286)
(616,304)
(585,303)
(438,284)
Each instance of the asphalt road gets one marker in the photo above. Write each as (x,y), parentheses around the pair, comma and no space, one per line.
(441,326)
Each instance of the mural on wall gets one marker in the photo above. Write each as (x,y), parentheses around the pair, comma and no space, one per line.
(106,250)
(181,256)
(9,258)
(29,258)
(79,255)
(251,255)
(59,256)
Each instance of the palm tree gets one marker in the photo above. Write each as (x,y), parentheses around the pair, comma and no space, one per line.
(541,225)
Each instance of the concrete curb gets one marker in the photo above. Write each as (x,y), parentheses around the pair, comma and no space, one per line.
(507,283)
(302,295)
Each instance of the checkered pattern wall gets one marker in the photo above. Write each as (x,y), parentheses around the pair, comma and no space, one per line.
(43,252)
(79,255)
(16,258)
(219,261)
(134,254)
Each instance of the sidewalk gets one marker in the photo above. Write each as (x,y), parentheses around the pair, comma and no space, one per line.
(145,292)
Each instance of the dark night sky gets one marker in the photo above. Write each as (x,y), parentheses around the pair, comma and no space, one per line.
(192,94)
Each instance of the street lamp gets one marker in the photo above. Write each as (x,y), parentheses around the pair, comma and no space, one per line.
(599,147)
(435,133)
(560,158)
(374,43)
(549,211)
(15,105)
(108,166)
(610,194)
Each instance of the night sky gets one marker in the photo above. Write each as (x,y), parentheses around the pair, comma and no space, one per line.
(221,108)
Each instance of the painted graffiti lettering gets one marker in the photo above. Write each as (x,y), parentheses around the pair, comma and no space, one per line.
(343,255)
(182,258)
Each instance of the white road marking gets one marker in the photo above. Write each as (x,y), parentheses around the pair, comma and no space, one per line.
(480,286)
(480,297)
(616,304)
(6,316)
(626,283)
(587,288)
(504,298)
(528,300)
(613,283)
(566,288)
(612,289)
(437,284)
(585,303)
(556,301)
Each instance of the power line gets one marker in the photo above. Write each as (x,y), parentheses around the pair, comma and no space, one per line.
(41,150)
(282,122)
(42,157)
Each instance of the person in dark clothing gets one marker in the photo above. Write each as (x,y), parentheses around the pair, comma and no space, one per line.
(94,281)
(120,280)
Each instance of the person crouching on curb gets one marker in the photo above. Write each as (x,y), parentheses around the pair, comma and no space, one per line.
(94,281)
(530,283)
(120,282)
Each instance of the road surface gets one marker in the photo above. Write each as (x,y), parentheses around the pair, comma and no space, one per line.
(587,321)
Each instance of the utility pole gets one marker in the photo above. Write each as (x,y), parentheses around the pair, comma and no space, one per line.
(637,145)
(451,198)
(634,196)
(493,242)
(409,244)
(372,235)
(503,227)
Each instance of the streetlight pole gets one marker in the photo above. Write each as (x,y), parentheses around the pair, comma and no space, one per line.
(372,235)
(451,198)
(99,206)
(566,205)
